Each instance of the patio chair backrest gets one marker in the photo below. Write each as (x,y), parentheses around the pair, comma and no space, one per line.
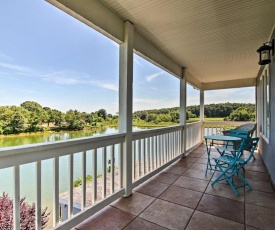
(244,134)
(250,127)
(250,144)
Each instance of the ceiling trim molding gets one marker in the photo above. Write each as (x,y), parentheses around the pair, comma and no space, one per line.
(150,52)
(193,80)
(248,82)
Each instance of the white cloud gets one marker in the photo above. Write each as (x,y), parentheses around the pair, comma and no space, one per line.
(61,77)
(5,57)
(153,76)
(77,78)
(109,86)
(15,67)
(238,95)
(66,77)
(145,103)
(136,61)
(145,100)
(3,73)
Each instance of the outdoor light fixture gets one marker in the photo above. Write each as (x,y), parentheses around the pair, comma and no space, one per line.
(265,52)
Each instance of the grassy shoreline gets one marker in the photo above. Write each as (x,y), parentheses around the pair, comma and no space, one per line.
(140,124)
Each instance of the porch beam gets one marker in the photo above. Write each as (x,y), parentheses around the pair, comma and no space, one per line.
(151,53)
(192,80)
(94,14)
(126,102)
(249,82)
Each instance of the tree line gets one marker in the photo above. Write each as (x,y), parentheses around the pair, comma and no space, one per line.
(30,116)
(228,111)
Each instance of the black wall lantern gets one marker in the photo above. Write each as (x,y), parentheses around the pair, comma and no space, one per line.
(265,52)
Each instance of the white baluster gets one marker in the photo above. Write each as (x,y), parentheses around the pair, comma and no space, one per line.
(104,170)
(71,186)
(112,169)
(56,191)
(94,176)
(38,224)
(16,200)
(83,201)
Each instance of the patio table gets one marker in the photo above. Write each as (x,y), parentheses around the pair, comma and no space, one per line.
(212,138)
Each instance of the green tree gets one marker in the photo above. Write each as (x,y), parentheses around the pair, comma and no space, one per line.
(37,114)
(152,117)
(58,117)
(102,113)
(17,123)
(239,114)
(74,121)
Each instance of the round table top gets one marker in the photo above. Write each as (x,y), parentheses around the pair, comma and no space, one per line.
(222,138)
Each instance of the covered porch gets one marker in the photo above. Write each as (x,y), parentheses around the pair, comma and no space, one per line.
(155,179)
(181,197)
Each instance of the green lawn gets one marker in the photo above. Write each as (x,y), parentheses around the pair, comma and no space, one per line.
(206,119)
(164,124)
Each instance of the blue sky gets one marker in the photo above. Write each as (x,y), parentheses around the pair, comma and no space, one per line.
(49,57)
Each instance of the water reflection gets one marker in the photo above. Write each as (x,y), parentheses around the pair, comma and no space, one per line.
(25,139)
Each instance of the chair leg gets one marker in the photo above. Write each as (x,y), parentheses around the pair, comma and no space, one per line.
(223,174)
(244,180)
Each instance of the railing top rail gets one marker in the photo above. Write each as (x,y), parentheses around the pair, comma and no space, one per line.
(17,155)
(154,132)
(235,123)
(192,124)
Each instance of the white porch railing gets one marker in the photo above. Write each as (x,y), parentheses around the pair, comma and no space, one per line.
(153,150)
(216,127)
(17,156)
(193,135)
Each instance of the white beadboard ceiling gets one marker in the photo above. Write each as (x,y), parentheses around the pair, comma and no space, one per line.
(216,40)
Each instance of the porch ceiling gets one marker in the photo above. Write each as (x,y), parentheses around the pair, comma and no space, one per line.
(215,40)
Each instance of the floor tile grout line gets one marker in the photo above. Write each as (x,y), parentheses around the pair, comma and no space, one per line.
(125,212)
(138,216)
(198,203)
(155,198)
(196,208)
(261,206)
(158,197)
(152,222)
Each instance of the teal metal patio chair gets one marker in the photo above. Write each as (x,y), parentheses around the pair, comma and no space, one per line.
(232,147)
(230,165)
(250,127)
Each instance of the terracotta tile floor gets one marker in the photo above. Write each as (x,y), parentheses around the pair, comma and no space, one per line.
(181,197)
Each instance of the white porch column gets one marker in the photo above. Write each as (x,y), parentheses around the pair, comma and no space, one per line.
(126,102)
(202,109)
(183,109)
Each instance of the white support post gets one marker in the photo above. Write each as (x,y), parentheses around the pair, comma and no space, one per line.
(202,110)
(183,109)
(126,102)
